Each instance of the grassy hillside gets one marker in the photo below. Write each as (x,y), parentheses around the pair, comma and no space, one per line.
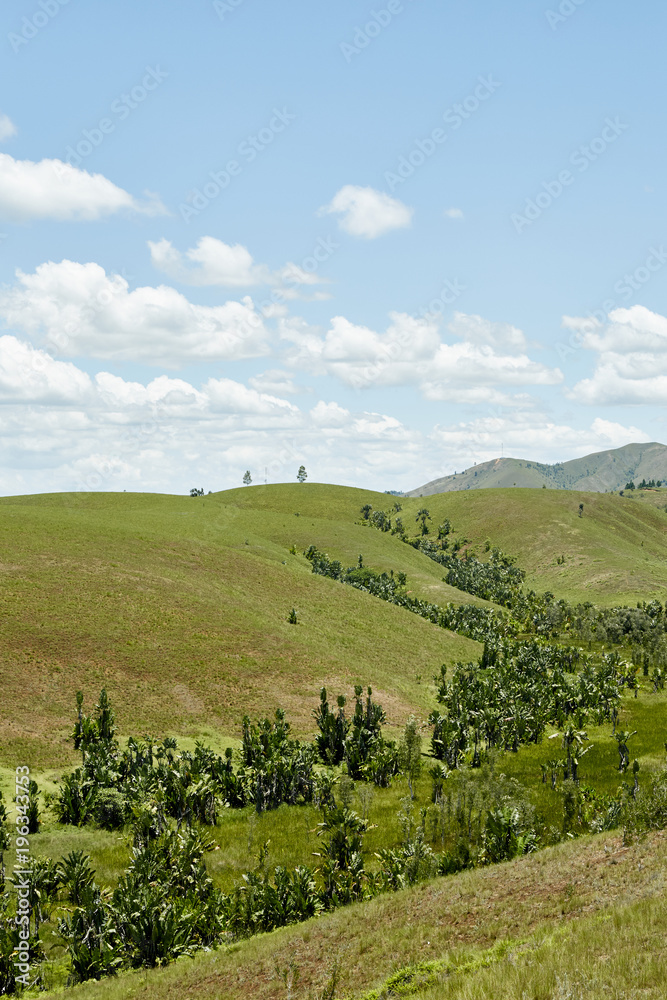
(604,471)
(585,920)
(615,553)
(179,606)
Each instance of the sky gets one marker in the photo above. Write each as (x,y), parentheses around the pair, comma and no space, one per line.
(383,241)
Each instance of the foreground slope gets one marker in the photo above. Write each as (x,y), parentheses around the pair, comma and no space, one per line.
(601,472)
(586,919)
(179,607)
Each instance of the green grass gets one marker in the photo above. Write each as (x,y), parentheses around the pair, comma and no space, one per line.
(179,607)
(588,916)
(615,554)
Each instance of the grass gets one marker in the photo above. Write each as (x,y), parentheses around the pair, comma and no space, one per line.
(179,607)
(588,916)
(615,554)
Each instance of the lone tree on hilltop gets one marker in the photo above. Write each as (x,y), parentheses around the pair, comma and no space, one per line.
(194,492)
(247,478)
(302,475)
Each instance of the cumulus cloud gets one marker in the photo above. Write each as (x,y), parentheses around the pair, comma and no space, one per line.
(62,429)
(631,366)
(7,127)
(412,352)
(52,189)
(77,309)
(32,376)
(277,382)
(212,262)
(367,213)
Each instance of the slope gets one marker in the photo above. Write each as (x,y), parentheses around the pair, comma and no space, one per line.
(601,472)
(179,607)
(584,919)
(616,553)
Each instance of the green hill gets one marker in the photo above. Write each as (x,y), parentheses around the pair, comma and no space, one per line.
(179,605)
(602,472)
(585,920)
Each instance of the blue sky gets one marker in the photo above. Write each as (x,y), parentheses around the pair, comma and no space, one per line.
(385,241)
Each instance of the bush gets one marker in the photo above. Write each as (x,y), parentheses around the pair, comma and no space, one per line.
(111,809)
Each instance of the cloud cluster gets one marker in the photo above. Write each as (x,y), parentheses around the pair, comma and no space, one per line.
(212,262)
(52,189)
(78,310)
(63,429)
(367,213)
(631,364)
(412,352)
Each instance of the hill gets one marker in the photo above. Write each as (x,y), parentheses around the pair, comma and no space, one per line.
(616,553)
(179,605)
(601,472)
(585,919)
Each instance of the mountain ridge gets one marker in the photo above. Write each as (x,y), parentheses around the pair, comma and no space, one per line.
(599,472)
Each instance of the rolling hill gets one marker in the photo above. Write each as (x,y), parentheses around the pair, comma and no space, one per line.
(179,605)
(601,472)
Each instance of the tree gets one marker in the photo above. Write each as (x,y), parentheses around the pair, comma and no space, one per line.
(194,492)
(302,475)
(629,486)
(410,753)
(247,478)
(581,510)
(423,515)
(365,511)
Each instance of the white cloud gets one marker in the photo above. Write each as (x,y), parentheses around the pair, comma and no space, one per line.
(483,332)
(412,352)
(78,310)
(7,127)
(32,376)
(454,213)
(276,382)
(73,432)
(52,189)
(367,213)
(213,262)
(631,366)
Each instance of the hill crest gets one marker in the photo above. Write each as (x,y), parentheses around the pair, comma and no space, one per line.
(600,472)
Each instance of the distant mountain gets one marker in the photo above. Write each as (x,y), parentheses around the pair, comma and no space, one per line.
(597,473)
